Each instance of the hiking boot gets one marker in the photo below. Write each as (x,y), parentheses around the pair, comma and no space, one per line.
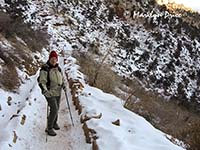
(56,127)
(51,132)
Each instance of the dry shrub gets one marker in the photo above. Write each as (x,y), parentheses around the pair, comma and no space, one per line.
(23,58)
(120,12)
(5,22)
(106,80)
(88,66)
(191,135)
(20,54)
(9,78)
(35,39)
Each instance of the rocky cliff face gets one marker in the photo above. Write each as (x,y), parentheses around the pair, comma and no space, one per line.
(146,41)
(166,56)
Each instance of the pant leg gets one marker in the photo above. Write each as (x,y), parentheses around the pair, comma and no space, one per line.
(58,105)
(52,102)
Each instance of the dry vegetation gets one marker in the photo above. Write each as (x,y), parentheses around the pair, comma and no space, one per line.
(10,28)
(24,41)
(106,79)
(191,135)
(9,78)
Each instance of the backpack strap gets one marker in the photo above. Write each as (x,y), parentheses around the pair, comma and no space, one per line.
(59,69)
(46,68)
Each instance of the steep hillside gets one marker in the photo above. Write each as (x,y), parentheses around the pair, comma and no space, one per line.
(144,40)
(20,44)
(139,39)
(159,48)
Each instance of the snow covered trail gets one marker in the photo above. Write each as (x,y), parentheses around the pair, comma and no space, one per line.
(31,135)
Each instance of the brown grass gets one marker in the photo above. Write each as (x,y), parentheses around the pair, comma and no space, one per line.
(191,135)
(20,53)
(35,39)
(106,80)
(9,78)
(5,22)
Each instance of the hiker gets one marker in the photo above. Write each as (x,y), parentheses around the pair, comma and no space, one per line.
(51,82)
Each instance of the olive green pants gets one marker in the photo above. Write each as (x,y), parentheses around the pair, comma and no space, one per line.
(53,103)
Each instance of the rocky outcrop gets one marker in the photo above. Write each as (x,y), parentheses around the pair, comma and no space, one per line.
(76,87)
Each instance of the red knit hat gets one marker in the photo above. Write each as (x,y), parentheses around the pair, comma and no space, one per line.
(53,54)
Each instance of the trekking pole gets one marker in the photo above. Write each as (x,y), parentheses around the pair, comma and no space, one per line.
(69,108)
(47,121)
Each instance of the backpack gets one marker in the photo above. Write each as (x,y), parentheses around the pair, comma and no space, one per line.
(46,68)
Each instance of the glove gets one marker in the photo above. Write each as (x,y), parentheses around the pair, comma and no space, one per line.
(47,93)
(64,87)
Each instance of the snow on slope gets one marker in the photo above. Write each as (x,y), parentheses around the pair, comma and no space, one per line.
(161,51)
(12,104)
(134,131)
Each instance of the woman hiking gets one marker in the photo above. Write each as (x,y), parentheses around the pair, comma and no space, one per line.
(51,82)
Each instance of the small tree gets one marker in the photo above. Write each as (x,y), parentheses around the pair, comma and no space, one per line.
(99,67)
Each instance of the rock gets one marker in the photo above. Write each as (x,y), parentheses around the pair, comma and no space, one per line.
(9,100)
(74,46)
(23,119)
(59,24)
(36,57)
(87,133)
(13,116)
(94,145)
(21,67)
(117,122)
(90,134)
(15,137)
(85,118)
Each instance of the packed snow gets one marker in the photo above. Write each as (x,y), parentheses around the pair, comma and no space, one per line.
(134,132)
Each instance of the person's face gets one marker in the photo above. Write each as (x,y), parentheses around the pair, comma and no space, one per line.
(53,61)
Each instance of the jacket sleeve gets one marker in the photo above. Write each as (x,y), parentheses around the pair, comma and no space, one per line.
(43,80)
